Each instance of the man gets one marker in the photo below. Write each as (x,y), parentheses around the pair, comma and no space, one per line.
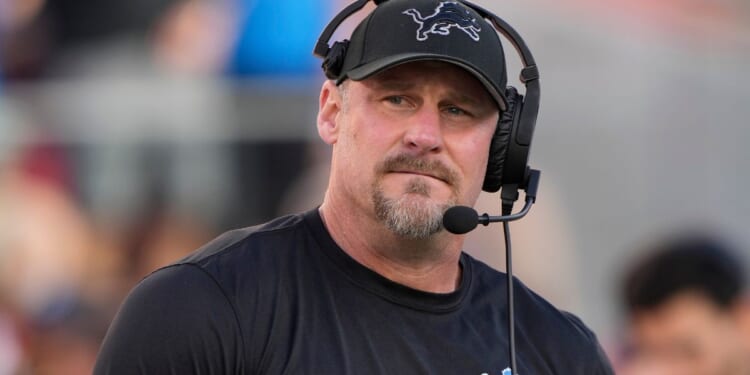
(688,310)
(370,282)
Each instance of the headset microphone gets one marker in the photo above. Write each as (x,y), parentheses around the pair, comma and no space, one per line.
(460,219)
(463,219)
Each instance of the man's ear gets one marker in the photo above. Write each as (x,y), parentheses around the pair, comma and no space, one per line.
(330,104)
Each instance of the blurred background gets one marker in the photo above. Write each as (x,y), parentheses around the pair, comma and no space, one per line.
(131,132)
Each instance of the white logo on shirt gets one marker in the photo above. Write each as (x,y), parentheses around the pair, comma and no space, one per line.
(505,372)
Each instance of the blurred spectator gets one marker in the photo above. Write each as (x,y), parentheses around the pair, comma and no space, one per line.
(688,310)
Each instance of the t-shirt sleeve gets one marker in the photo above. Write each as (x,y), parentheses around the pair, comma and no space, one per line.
(597,362)
(176,321)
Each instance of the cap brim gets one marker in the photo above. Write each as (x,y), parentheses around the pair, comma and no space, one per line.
(366,70)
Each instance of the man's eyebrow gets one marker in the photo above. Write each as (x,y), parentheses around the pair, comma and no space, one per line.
(460,97)
(391,83)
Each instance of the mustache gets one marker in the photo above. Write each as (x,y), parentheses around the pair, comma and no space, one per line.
(435,168)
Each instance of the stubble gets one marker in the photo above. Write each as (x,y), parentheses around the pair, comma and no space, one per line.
(413,214)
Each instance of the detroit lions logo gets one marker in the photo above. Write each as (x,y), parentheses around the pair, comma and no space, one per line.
(447,15)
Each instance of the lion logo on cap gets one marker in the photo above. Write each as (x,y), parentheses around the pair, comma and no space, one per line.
(447,15)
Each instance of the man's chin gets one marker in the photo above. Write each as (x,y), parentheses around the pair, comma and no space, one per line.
(416,183)
(421,202)
(422,194)
(412,215)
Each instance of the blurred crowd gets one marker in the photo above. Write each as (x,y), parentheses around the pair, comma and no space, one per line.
(118,153)
(131,132)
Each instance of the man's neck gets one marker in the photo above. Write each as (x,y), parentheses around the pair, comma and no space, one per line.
(430,265)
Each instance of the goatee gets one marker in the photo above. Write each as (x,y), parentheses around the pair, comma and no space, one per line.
(413,214)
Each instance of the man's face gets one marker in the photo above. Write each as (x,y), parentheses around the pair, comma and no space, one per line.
(411,142)
(688,334)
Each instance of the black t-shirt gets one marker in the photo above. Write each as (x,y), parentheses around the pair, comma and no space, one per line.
(283,298)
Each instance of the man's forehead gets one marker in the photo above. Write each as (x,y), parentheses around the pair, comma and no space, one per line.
(410,74)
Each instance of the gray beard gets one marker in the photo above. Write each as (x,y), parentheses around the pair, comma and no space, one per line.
(410,217)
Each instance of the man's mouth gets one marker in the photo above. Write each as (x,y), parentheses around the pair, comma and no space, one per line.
(420,173)
(407,165)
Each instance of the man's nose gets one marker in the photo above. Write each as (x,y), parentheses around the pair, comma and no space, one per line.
(424,133)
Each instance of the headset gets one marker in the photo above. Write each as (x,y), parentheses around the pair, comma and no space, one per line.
(507,165)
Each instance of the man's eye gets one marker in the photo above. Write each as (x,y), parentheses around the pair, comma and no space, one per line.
(395,100)
(456,111)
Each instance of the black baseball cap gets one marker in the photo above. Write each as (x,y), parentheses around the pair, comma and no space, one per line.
(401,31)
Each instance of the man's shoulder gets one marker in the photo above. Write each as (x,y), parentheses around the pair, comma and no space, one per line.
(529,305)
(543,329)
(248,256)
(272,236)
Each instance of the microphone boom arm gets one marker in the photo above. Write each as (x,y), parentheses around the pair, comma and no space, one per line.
(531,187)
(486,219)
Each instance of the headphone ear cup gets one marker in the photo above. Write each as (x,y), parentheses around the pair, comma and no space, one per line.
(493,179)
(334,60)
